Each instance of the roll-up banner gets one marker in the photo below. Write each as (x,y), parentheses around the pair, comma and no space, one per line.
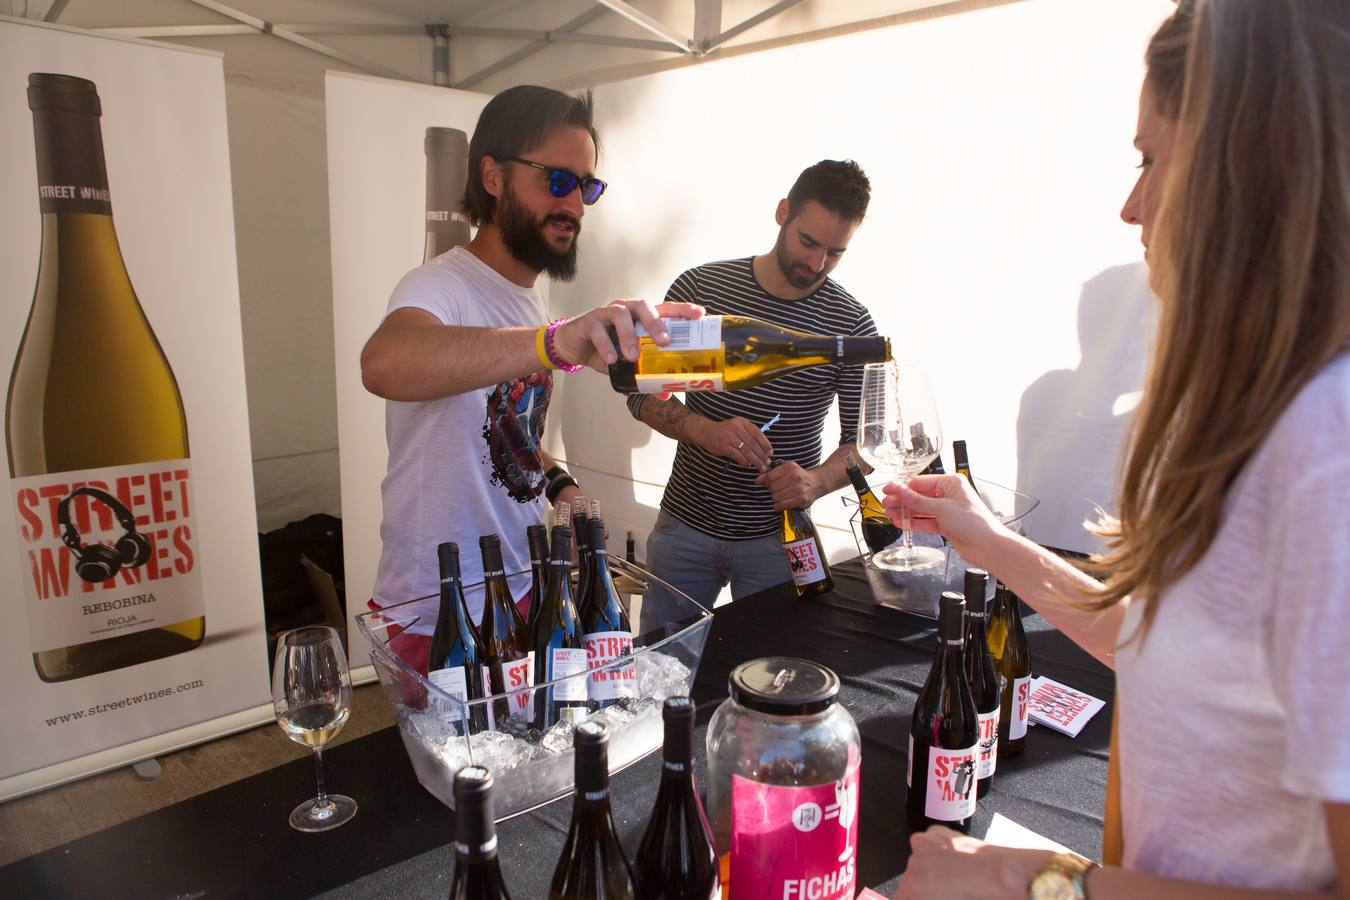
(133,618)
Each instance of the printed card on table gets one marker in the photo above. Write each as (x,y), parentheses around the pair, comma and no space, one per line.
(1060,707)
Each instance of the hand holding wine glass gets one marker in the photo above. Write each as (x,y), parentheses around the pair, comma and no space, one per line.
(947,505)
(899,435)
(312,695)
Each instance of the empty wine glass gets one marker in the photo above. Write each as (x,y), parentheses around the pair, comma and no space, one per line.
(899,435)
(312,695)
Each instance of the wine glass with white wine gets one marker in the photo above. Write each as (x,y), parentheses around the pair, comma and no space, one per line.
(312,695)
(899,435)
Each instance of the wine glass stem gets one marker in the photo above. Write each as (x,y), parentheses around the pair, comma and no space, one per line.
(322,800)
(906,536)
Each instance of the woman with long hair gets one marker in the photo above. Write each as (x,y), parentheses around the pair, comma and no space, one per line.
(1223,598)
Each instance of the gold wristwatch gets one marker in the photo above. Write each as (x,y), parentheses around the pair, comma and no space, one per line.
(1064,877)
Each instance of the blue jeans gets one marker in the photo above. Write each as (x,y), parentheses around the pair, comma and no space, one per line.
(701,565)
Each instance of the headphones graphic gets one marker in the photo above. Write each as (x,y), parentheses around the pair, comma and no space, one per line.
(97,563)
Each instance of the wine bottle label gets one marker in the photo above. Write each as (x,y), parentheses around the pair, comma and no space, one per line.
(603,648)
(574,714)
(674,382)
(569,661)
(950,784)
(106,552)
(694,360)
(804,560)
(453,681)
(1021,706)
(690,334)
(795,842)
(516,674)
(988,759)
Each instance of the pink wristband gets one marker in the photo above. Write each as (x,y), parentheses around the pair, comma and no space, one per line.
(551,350)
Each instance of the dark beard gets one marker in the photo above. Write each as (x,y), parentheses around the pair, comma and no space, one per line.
(786,266)
(524,238)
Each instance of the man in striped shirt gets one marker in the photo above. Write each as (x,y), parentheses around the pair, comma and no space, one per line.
(721,512)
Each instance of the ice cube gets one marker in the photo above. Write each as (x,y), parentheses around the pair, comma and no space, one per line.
(558,738)
(515,754)
(614,717)
(489,744)
(661,676)
(425,726)
(516,727)
(641,706)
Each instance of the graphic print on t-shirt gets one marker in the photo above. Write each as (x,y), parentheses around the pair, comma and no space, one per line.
(514,427)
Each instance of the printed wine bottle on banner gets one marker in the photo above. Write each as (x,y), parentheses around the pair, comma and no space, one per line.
(456,655)
(559,649)
(731,353)
(101,482)
(478,876)
(944,733)
(879,532)
(447,174)
(592,865)
(537,537)
(676,856)
(1012,658)
(508,661)
(805,554)
(608,634)
(985,686)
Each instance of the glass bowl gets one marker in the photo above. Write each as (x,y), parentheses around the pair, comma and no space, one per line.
(530,766)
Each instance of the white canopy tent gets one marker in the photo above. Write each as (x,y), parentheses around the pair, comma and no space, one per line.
(653,31)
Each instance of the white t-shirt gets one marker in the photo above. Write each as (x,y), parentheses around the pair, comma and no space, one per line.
(466,465)
(1235,711)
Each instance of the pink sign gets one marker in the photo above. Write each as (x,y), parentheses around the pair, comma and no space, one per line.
(794,843)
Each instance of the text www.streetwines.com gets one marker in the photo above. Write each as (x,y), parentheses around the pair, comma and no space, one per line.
(98,708)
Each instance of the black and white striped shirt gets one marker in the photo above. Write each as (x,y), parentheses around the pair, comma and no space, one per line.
(715,495)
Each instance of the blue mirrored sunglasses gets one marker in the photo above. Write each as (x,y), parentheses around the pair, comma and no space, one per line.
(562,182)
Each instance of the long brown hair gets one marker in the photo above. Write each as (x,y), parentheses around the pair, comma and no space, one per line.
(1165,62)
(1252,258)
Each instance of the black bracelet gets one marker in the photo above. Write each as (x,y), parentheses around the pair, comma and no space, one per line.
(554,473)
(557,485)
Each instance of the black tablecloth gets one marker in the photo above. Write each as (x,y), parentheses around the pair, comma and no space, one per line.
(235,842)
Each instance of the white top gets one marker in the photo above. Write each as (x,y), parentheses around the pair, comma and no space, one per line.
(1235,712)
(461,466)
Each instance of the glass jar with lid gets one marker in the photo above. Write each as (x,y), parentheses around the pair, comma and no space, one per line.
(783,761)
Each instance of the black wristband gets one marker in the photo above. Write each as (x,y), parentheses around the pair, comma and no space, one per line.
(557,485)
(554,473)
